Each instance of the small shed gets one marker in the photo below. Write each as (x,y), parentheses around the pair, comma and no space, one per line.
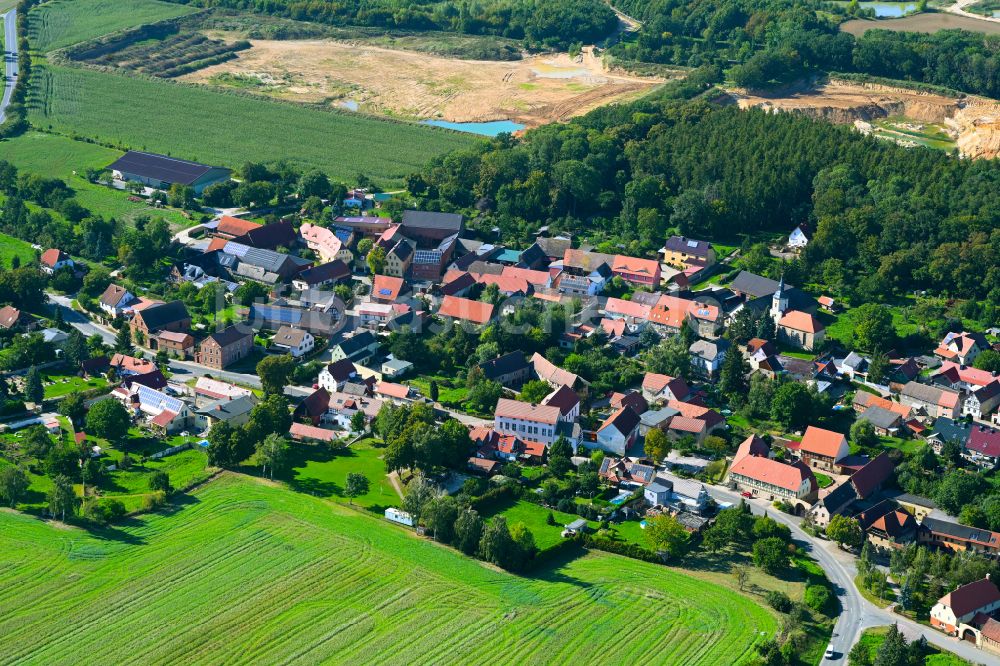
(578,526)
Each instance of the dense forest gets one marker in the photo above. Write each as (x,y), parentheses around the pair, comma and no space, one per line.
(776,41)
(540,23)
(888,219)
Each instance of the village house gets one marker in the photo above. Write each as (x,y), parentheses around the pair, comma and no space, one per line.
(885,422)
(462,309)
(374,315)
(887,525)
(177,344)
(386,289)
(115,300)
(233,411)
(962,348)
(510,370)
(172,316)
(162,412)
(567,401)
(680,252)
(396,394)
(357,348)
(657,388)
(642,272)
(960,606)
(125,365)
(983,446)
(292,341)
(554,375)
(395,367)
(54,259)
(823,448)
(933,401)
(399,258)
(956,538)
(161,171)
(530,422)
(774,480)
(335,375)
(223,348)
(618,432)
(230,227)
(323,275)
(944,430)
(628,472)
(799,237)
(301,432)
(207,390)
(325,243)
(707,357)
(14,319)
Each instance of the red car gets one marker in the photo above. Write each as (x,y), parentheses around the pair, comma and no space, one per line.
(747,494)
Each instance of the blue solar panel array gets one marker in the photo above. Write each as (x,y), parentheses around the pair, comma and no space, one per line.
(153,398)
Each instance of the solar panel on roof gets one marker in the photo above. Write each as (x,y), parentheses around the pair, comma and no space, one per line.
(153,398)
(692,243)
(384,292)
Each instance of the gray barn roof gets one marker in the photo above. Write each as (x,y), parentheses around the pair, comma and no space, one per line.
(161,167)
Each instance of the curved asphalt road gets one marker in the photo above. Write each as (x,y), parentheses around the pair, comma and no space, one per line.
(857,613)
(10,59)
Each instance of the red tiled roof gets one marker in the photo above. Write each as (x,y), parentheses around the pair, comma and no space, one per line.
(483,464)
(692,411)
(751,446)
(302,431)
(534,449)
(625,420)
(800,321)
(132,364)
(386,287)
(515,409)
(613,327)
(463,308)
(53,256)
(535,278)
(655,383)
(984,440)
(971,597)
(216,244)
(867,400)
(392,390)
(822,442)
(974,376)
(550,372)
(234,226)
(627,308)
(164,418)
(634,265)
(684,424)
(765,470)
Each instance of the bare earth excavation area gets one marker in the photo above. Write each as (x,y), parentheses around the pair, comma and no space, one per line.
(972,124)
(532,91)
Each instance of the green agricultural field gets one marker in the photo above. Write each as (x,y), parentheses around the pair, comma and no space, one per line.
(208,126)
(244,571)
(61,23)
(11,247)
(57,156)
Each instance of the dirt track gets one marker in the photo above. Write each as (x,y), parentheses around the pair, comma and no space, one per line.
(533,91)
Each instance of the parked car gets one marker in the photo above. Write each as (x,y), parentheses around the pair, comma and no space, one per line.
(747,494)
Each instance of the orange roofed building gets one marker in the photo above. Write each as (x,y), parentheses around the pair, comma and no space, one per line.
(463,309)
(823,448)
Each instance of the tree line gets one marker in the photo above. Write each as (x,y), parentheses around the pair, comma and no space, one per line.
(891,219)
(552,23)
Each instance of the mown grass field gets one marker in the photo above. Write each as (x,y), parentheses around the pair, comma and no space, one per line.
(11,247)
(61,23)
(535,518)
(218,128)
(246,572)
(57,156)
(316,470)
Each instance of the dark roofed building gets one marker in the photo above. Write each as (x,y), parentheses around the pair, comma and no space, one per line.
(870,478)
(270,236)
(161,171)
(534,258)
(313,407)
(952,536)
(172,316)
(224,347)
(322,275)
(511,369)
(430,226)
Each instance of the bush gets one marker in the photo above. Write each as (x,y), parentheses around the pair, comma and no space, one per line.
(817,597)
(160,480)
(779,601)
(153,501)
(104,510)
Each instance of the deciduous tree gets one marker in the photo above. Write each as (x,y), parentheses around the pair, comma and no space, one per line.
(356,486)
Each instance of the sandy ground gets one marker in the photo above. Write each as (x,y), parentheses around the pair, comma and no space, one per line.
(533,91)
(973,122)
(930,22)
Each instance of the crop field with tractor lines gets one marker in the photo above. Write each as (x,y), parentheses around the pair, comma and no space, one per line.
(243,571)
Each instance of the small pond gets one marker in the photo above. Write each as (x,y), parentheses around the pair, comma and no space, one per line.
(491,128)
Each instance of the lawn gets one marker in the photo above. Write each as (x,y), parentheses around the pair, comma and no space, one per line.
(57,156)
(244,571)
(823,480)
(317,470)
(446,395)
(204,125)
(131,486)
(11,247)
(873,638)
(58,386)
(534,518)
(61,23)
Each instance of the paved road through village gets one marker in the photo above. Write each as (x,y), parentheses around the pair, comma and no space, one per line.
(10,59)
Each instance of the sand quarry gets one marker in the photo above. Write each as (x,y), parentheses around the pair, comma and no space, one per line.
(973,122)
(532,91)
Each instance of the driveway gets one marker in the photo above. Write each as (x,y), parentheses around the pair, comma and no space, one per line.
(10,59)
(857,613)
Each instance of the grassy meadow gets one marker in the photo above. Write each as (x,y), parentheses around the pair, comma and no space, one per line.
(62,23)
(244,571)
(58,156)
(218,128)
(11,247)
(317,470)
